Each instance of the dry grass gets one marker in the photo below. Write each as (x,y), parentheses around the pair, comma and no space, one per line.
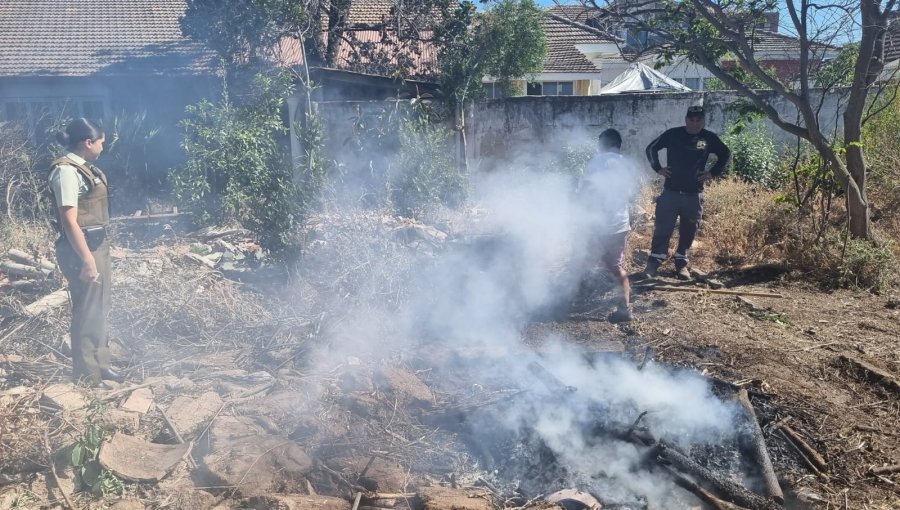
(742,223)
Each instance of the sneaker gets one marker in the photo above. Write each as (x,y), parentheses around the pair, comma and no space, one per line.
(683,273)
(622,314)
(653,264)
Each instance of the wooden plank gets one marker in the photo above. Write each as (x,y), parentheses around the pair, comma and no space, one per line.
(47,303)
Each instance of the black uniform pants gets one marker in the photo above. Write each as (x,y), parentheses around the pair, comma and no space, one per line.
(687,210)
(90,308)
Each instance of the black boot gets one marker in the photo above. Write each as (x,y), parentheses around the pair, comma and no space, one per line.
(108,374)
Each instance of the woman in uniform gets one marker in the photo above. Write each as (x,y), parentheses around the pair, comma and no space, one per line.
(82,250)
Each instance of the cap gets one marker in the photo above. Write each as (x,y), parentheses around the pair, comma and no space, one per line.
(695,110)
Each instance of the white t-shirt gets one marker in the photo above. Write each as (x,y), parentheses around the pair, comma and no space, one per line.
(68,184)
(607,189)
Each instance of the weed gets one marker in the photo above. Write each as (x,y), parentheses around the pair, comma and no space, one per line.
(85,453)
(769,315)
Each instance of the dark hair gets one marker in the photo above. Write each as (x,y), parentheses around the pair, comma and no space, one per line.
(78,131)
(610,139)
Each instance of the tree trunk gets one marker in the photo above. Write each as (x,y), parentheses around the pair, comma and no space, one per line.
(857,203)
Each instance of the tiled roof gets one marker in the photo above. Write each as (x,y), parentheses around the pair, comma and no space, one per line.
(562,56)
(786,46)
(83,37)
(373,52)
(892,39)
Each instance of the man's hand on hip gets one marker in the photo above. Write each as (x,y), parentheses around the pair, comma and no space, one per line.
(665,172)
(705,176)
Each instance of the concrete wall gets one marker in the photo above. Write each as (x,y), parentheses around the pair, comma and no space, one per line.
(529,127)
(535,129)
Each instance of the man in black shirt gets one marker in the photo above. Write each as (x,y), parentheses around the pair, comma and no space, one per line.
(688,149)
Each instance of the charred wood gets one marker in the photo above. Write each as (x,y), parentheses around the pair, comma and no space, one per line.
(760,451)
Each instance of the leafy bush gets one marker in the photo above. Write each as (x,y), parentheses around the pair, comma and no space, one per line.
(753,154)
(238,167)
(424,172)
(132,155)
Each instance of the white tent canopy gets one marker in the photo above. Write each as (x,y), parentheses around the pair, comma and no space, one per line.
(641,78)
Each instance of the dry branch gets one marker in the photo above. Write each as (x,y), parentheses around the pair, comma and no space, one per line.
(670,288)
(808,451)
(759,449)
(873,373)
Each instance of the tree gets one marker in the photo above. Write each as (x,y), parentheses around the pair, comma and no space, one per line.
(505,42)
(706,31)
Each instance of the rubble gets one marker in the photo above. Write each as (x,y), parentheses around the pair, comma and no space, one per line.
(63,397)
(446,498)
(296,502)
(190,415)
(139,401)
(245,454)
(134,459)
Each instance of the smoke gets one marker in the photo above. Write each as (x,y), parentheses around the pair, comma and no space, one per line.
(522,251)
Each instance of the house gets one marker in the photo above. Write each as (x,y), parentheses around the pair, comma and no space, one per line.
(586,51)
(95,58)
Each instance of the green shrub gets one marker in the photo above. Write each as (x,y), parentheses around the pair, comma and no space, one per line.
(238,167)
(753,154)
(132,154)
(424,172)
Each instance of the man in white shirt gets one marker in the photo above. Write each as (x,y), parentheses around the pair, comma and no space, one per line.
(607,191)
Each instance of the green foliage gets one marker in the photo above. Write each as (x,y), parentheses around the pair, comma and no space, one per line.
(237,164)
(242,31)
(868,264)
(839,71)
(769,315)
(131,153)
(85,453)
(573,159)
(424,172)
(753,154)
(505,42)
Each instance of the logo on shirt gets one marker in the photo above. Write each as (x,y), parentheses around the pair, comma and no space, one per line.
(701,144)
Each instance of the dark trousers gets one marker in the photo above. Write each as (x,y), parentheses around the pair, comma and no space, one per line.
(90,308)
(670,207)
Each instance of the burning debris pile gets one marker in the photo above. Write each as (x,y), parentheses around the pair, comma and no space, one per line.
(387,371)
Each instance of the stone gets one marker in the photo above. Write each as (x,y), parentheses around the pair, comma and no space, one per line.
(408,388)
(63,397)
(137,460)
(119,420)
(256,465)
(190,415)
(445,498)
(297,502)
(139,401)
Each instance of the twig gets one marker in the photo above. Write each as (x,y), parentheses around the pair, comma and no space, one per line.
(885,470)
(356,501)
(191,462)
(59,486)
(808,450)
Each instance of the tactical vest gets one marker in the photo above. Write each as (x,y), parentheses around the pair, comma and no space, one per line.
(93,207)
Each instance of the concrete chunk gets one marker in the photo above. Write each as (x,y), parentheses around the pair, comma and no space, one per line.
(190,415)
(139,401)
(137,460)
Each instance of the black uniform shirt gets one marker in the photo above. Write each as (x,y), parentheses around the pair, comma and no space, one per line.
(687,155)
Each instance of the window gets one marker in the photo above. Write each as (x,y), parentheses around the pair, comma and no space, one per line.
(551,88)
(39,115)
(493,91)
(692,83)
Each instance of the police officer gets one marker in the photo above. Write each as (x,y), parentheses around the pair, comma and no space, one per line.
(79,190)
(688,148)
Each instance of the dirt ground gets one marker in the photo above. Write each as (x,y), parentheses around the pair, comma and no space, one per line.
(789,350)
(189,333)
